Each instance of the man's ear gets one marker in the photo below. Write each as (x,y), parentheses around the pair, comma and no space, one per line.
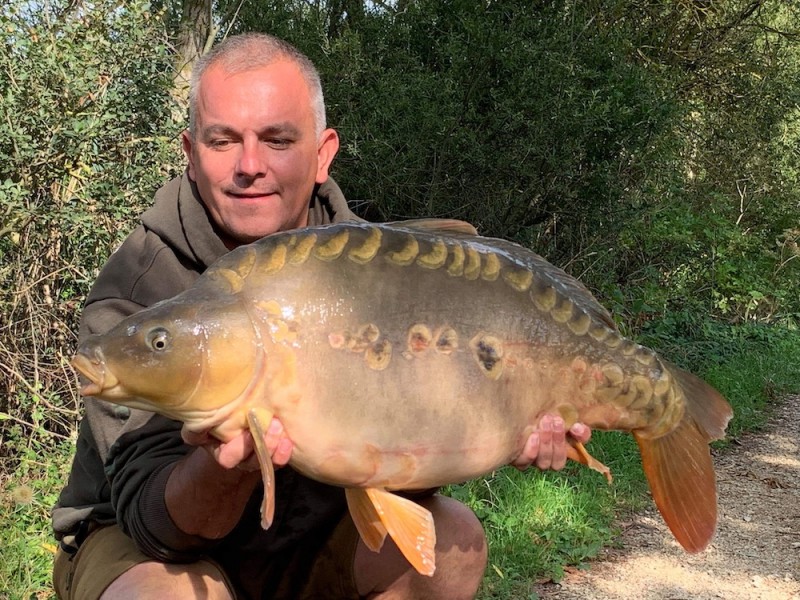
(326,151)
(187,144)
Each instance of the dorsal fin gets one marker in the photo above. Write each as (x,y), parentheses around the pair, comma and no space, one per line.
(441,225)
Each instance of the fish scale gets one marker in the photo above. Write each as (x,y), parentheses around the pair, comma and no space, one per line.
(406,356)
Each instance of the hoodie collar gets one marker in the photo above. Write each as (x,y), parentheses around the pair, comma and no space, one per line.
(188,228)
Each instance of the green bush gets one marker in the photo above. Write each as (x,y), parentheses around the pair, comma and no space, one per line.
(679,260)
(85,138)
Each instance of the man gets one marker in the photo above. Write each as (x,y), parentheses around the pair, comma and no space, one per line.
(151,511)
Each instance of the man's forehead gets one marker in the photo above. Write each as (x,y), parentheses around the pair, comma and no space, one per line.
(280,70)
(273,96)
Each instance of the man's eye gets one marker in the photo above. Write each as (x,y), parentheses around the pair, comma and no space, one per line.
(219,144)
(278,143)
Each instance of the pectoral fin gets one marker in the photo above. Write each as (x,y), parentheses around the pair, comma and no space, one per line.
(376,512)
(259,419)
(578,452)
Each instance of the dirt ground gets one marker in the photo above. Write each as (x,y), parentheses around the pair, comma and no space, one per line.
(756,551)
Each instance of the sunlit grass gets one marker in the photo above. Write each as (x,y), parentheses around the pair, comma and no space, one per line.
(26,497)
(756,376)
(538,523)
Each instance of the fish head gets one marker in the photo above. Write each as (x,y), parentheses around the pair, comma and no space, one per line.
(184,358)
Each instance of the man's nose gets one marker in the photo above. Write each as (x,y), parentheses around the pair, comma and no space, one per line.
(253,159)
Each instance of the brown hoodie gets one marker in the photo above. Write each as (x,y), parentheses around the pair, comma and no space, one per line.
(124,456)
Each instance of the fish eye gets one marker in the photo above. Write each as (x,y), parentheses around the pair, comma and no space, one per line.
(158,339)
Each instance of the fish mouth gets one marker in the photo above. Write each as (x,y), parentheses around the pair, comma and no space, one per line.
(93,367)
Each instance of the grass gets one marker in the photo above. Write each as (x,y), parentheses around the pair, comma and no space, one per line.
(538,524)
(753,380)
(26,497)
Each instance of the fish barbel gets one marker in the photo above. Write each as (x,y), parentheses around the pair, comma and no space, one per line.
(407,356)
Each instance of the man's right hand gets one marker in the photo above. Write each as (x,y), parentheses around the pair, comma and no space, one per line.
(207,491)
(239,452)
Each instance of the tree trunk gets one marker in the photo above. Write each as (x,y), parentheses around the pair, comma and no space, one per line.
(195,35)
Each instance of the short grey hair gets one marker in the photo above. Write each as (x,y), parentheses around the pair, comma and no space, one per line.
(248,51)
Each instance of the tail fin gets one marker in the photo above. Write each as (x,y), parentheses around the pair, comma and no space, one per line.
(678,465)
(706,405)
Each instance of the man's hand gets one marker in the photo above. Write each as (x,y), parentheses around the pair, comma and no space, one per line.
(547,446)
(209,488)
(238,452)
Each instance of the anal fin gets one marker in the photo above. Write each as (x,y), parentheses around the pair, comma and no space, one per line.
(578,452)
(258,419)
(409,524)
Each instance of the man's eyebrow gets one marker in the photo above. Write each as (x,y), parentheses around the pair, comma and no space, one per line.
(285,128)
(214,130)
(280,129)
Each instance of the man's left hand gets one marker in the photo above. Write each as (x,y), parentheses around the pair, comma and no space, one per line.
(547,446)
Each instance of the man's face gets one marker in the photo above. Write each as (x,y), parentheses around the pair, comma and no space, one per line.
(256,157)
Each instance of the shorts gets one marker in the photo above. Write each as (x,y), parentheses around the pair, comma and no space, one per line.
(107,553)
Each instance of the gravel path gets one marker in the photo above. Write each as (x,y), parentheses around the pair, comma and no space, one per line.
(755,554)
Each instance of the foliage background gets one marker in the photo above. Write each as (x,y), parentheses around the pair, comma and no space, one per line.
(650,148)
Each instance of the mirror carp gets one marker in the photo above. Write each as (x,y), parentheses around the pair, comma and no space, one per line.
(406,356)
